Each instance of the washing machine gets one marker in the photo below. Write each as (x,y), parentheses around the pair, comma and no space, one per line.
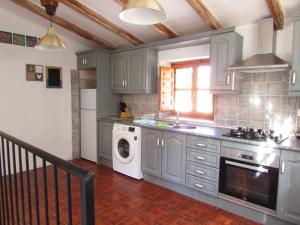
(127,154)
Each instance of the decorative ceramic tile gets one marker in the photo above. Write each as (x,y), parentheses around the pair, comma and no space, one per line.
(19,39)
(31,41)
(5,37)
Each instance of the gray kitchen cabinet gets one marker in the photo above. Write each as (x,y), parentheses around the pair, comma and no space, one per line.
(105,140)
(164,154)
(288,200)
(151,151)
(294,87)
(174,157)
(87,60)
(118,72)
(134,71)
(225,49)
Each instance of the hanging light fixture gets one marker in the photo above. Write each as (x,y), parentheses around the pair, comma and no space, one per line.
(50,41)
(143,12)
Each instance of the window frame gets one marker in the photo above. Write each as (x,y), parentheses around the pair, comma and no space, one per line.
(194,114)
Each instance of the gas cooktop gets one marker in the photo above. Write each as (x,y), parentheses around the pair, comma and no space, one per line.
(255,134)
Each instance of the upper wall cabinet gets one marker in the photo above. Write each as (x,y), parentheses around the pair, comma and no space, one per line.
(225,49)
(295,73)
(134,71)
(87,61)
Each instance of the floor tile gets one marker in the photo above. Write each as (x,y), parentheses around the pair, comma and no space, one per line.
(115,214)
(221,217)
(178,220)
(137,220)
(156,213)
(196,211)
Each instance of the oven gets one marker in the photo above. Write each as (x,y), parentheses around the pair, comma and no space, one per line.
(249,176)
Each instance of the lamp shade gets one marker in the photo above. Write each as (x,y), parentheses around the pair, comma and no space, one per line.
(50,41)
(143,12)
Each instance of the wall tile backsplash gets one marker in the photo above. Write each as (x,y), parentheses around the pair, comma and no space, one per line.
(263,102)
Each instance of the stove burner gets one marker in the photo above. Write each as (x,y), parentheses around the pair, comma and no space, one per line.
(251,134)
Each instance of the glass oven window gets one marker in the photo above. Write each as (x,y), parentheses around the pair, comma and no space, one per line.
(249,182)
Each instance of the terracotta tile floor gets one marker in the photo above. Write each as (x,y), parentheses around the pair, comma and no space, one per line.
(125,201)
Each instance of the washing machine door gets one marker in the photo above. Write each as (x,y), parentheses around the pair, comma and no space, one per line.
(123,148)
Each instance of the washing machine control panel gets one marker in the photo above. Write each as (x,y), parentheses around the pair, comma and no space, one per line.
(131,129)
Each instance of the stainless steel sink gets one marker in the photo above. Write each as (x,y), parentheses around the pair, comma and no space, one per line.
(187,127)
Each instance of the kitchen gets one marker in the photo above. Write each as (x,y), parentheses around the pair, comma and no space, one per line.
(215,114)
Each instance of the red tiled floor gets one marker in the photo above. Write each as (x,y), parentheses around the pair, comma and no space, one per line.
(121,200)
(115,214)
(221,217)
(196,211)
(137,220)
(157,214)
(178,220)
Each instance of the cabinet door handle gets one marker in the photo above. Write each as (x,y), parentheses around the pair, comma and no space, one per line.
(162,142)
(125,83)
(199,172)
(283,167)
(228,79)
(199,186)
(157,142)
(294,77)
(201,145)
(200,158)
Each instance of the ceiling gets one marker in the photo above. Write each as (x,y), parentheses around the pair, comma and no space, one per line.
(182,18)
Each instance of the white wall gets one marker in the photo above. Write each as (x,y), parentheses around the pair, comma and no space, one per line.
(28,110)
(183,54)
(284,40)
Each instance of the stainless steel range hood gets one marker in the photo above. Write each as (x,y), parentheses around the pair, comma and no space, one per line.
(265,60)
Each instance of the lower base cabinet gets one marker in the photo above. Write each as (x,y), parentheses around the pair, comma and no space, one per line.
(164,154)
(288,200)
(105,140)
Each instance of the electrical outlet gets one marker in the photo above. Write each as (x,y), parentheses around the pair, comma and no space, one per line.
(298,112)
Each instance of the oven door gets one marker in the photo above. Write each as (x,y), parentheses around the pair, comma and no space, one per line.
(249,182)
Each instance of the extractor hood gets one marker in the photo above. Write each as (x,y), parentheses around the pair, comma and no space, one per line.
(265,60)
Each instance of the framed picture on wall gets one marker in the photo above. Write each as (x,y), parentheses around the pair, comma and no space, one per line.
(53,77)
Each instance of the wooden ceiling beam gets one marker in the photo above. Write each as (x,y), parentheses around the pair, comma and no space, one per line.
(277,13)
(64,23)
(205,14)
(102,21)
(161,28)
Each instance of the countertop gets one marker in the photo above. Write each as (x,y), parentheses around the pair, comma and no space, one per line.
(291,143)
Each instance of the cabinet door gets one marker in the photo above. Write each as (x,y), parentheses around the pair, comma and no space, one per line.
(295,75)
(87,61)
(105,140)
(118,72)
(135,80)
(91,60)
(222,56)
(174,157)
(81,61)
(288,200)
(151,151)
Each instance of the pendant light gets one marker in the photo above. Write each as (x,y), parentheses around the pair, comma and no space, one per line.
(50,41)
(143,12)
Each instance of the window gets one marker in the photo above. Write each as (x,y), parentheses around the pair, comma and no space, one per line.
(184,88)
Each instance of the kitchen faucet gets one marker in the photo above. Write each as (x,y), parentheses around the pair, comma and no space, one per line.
(177,117)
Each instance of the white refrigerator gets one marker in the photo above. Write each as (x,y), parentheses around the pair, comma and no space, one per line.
(88,124)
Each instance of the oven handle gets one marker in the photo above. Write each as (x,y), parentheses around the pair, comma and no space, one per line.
(256,168)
